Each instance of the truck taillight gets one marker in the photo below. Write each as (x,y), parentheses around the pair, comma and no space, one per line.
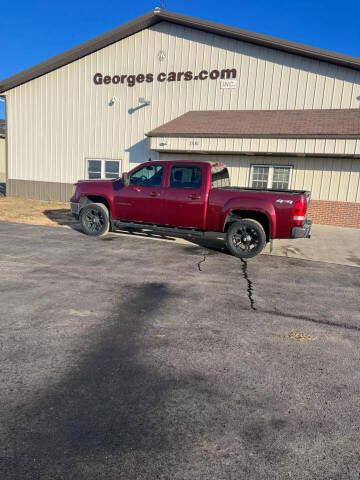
(299,212)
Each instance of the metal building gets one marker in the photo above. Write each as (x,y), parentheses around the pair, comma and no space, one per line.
(277,113)
(2,152)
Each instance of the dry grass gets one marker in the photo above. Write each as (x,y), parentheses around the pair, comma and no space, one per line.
(300,336)
(35,212)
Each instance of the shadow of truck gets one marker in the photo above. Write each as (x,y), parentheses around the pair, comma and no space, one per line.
(61,216)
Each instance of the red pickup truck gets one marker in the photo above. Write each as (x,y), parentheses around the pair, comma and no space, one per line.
(191,198)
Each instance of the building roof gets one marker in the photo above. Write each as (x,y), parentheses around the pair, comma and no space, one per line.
(264,124)
(158,15)
(2,128)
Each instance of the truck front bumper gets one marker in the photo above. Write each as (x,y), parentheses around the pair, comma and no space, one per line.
(75,209)
(302,232)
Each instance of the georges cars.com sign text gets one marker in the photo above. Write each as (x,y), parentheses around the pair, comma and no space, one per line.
(131,80)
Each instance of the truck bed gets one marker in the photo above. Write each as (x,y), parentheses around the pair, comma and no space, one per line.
(264,190)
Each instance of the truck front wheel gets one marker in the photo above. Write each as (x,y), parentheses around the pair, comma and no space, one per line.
(245,238)
(94,219)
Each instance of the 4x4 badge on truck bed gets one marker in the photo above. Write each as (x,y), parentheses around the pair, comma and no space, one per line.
(280,200)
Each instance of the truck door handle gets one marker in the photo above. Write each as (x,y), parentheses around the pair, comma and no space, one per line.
(154,194)
(193,196)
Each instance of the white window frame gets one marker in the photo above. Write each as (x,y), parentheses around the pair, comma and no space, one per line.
(102,160)
(271,173)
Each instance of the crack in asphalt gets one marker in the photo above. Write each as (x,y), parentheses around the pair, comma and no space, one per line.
(205,254)
(250,287)
(249,283)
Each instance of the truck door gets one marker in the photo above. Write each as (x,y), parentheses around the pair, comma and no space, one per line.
(185,197)
(143,199)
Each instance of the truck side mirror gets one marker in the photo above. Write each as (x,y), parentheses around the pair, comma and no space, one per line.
(125,179)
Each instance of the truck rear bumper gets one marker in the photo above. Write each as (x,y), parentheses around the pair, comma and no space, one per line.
(75,209)
(302,232)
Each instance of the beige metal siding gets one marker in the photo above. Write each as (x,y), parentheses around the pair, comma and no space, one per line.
(2,160)
(57,120)
(310,146)
(334,179)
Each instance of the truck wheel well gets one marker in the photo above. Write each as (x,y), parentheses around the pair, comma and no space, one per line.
(95,199)
(236,215)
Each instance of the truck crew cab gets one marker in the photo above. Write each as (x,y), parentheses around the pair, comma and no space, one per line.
(183,197)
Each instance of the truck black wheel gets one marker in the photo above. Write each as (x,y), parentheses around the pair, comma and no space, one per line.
(94,219)
(246,238)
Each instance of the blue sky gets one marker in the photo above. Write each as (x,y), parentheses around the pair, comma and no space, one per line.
(33,31)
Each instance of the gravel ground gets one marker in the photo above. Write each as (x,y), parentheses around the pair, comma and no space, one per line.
(121,359)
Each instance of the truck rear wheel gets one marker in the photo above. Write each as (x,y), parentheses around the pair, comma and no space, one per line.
(246,238)
(94,219)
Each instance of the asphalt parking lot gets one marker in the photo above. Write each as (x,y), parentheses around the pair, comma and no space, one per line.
(120,359)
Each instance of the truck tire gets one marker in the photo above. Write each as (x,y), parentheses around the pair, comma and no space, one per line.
(94,220)
(245,238)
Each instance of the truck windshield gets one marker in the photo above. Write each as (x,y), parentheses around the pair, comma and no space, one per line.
(219,177)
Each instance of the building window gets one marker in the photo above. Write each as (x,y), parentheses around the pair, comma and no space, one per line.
(271,176)
(101,168)
(185,177)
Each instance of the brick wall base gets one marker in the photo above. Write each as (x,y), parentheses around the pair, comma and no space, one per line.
(341,214)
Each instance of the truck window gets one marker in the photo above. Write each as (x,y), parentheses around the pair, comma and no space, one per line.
(185,177)
(219,177)
(149,176)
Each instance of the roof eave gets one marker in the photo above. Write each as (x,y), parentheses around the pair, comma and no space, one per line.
(263,40)
(80,51)
(157,15)
(255,135)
